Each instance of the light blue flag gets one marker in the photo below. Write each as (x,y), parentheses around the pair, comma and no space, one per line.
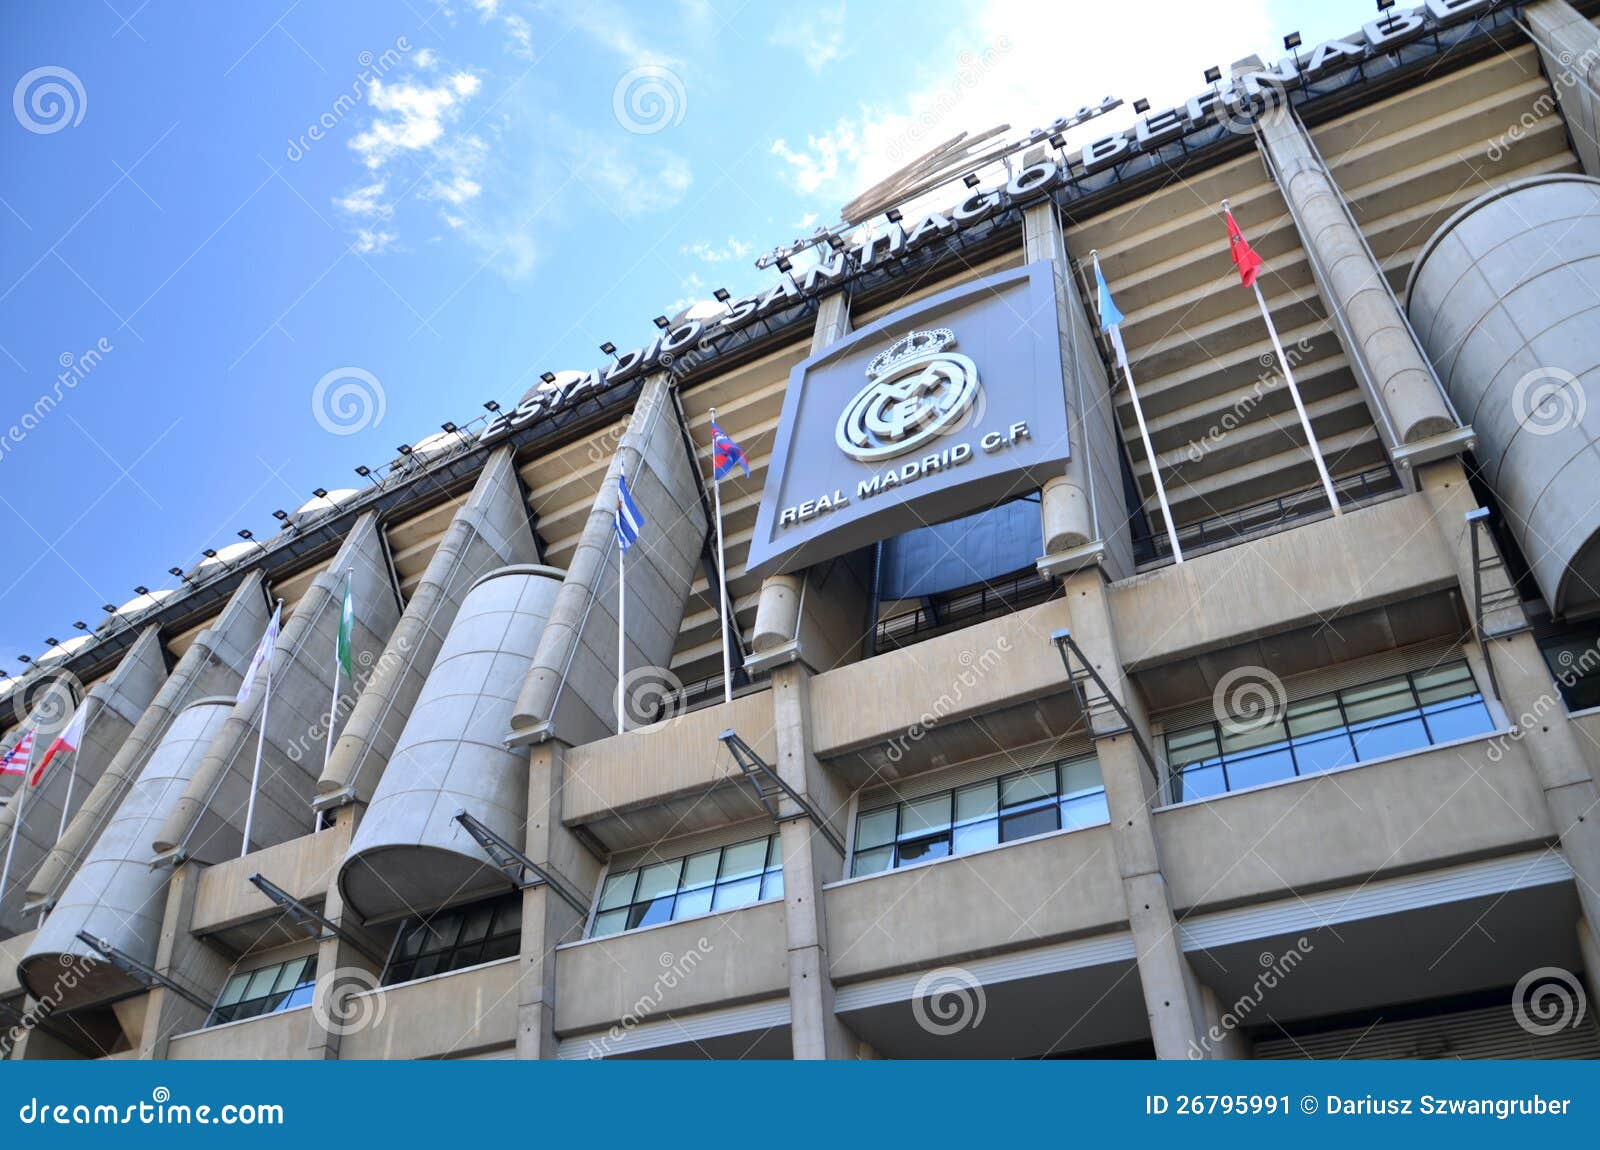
(629,518)
(1110,317)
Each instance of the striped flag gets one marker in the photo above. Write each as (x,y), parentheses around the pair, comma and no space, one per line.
(16,760)
(67,740)
(725,454)
(1110,316)
(347,619)
(269,640)
(630,520)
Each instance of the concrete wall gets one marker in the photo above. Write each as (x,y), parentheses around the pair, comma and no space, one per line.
(1504,300)
(305,867)
(449,1014)
(274,1037)
(570,692)
(409,853)
(490,531)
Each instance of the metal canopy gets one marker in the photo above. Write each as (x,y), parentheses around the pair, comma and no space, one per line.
(517,865)
(312,921)
(146,976)
(1095,698)
(768,785)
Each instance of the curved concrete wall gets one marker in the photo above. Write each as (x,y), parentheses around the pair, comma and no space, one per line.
(115,895)
(409,853)
(1504,297)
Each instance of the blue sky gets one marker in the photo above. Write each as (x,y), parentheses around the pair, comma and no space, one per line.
(498,187)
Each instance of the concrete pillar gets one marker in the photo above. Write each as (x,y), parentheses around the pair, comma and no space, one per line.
(1405,394)
(548,920)
(342,969)
(809,861)
(214,664)
(489,531)
(1569,45)
(570,691)
(1566,763)
(186,960)
(1589,949)
(208,823)
(1083,513)
(1172,995)
(777,612)
(1224,1040)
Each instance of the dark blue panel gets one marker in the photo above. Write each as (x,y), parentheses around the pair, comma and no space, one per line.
(985,546)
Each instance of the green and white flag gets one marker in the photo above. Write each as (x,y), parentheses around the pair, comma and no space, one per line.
(347,618)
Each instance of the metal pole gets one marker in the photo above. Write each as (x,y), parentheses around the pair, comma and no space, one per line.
(723,606)
(261,738)
(72,776)
(16,822)
(622,608)
(1294,393)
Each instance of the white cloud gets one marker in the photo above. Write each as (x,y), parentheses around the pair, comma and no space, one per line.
(410,116)
(632,189)
(609,26)
(817,37)
(992,70)
(372,240)
(367,201)
(734,249)
(425,59)
(520,36)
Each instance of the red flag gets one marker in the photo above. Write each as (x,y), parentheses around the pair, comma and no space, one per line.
(67,741)
(16,760)
(1244,258)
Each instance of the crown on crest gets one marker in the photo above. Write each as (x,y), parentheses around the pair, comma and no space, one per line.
(916,345)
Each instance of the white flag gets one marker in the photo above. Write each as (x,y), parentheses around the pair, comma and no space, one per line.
(269,640)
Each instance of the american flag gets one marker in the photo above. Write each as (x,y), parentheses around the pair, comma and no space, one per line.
(725,454)
(16,760)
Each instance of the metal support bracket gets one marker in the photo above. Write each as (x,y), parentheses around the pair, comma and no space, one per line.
(1082,675)
(1486,560)
(768,785)
(517,865)
(138,971)
(313,922)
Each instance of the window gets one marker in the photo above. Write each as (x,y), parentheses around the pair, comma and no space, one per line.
(718,879)
(1053,796)
(1356,725)
(1574,660)
(266,990)
(459,937)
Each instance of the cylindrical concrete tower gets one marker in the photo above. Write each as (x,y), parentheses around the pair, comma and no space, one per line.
(1504,297)
(409,853)
(115,896)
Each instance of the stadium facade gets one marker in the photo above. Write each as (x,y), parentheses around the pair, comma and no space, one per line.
(1071,716)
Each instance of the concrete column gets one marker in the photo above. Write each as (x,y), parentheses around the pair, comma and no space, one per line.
(208,823)
(214,664)
(187,961)
(1569,45)
(809,861)
(1408,397)
(342,969)
(548,920)
(1173,996)
(570,691)
(489,531)
(1083,513)
(1567,765)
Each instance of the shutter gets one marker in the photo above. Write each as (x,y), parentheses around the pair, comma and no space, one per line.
(1489,1032)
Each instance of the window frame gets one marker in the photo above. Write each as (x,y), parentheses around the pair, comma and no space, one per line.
(305,980)
(504,927)
(764,877)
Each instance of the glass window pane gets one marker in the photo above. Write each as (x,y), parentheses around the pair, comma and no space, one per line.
(650,913)
(740,893)
(920,816)
(1084,811)
(924,850)
(658,879)
(1390,739)
(610,922)
(876,828)
(1254,770)
(1191,746)
(508,914)
(1451,681)
(1247,738)
(1038,783)
(976,836)
(1034,822)
(288,975)
(504,946)
(249,1008)
(1375,700)
(1080,775)
(701,869)
(693,902)
(425,966)
(413,940)
(744,859)
(1198,783)
(443,930)
(618,890)
(1312,715)
(772,884)
(462,957)
(234,990)
(299,996)
(1313,756)
(475,922)
(977,801)
(1458,721)
(261,982)
(873,861)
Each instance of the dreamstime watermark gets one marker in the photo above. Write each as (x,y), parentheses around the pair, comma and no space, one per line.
(977,667)
(1248,699)
(649,99)
(675,970)
(1548,1000)
(74,967)
(373,68)
(1274,969)
(1548,400)
(48,99)
(971,70)
(949,1000)
(651,695)
(349,1005)
(75,368)
(160,1110)
(348,400)
(1268,379)
(1573,667)
(48,707)
(1545,104)
(314,738)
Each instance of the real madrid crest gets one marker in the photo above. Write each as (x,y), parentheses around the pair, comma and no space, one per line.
(919,390)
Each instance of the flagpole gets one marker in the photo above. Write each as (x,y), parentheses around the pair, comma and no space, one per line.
(622,607)
(261,738)
(1144,432)
(16,821)
(333,707)
(72,775)
(723,606)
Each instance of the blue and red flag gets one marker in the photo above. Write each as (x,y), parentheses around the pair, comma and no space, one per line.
(725,454)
